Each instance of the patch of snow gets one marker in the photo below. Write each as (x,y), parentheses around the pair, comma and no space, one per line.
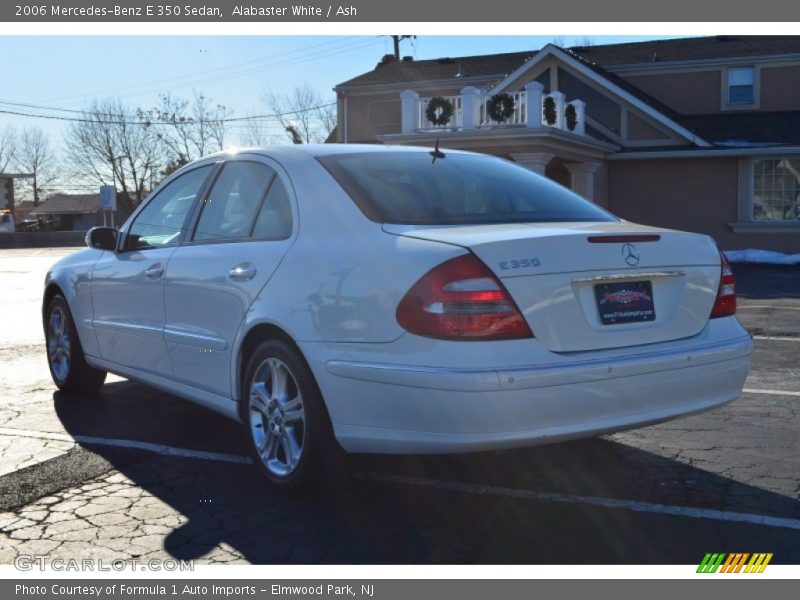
(765,257)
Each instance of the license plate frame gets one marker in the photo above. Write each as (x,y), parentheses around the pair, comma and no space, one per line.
(621,302)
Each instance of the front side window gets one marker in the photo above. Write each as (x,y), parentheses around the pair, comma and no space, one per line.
(776,189)
(160,222)
(460,189)
(231,207)
(741,85)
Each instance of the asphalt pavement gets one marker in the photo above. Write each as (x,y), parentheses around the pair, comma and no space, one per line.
(133,472)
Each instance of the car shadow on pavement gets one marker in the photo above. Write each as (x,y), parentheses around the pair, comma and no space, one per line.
(419,517)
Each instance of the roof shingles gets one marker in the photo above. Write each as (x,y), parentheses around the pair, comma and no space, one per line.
(607,55)
(63,204)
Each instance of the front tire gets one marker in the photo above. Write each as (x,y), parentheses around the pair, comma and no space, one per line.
(286,426)
(68,367)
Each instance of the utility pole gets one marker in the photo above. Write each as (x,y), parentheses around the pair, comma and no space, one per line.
(397,39)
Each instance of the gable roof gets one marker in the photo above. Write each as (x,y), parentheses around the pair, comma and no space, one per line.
(614,84)
(64,204)
(607,55)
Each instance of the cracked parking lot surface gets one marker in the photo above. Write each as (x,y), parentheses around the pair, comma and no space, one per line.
(720,481)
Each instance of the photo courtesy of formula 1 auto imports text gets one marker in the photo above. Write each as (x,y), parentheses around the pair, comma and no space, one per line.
(381,300)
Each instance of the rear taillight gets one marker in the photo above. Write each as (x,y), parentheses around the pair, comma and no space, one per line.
(461,299)
(725,304)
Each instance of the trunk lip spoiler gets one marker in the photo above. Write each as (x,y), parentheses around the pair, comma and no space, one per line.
(631,276)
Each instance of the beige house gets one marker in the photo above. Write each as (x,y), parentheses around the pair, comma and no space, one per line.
(701,134)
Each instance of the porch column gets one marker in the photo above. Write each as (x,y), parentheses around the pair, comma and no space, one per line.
(535,161)
(408,111)
(470,108)
(580,114)
(582,177)
(561,101)
(535,91)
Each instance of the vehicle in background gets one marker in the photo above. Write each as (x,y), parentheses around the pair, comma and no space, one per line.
(48,223)
(6,221)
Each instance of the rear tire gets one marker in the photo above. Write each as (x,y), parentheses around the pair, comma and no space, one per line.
(65,358)
(286,426)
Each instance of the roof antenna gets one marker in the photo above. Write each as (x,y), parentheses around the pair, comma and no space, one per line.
(436,153)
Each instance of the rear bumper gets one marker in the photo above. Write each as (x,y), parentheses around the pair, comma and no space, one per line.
(411,409)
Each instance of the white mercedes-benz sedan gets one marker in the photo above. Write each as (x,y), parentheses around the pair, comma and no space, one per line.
(395,300)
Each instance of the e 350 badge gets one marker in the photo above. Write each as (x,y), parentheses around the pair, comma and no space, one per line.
(520,263)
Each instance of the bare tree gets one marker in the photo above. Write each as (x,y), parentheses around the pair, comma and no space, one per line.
(8,147)
(210,126)
(172,126)
(255,132)
(187,130)
(305,115)
(36,157)
(111,145)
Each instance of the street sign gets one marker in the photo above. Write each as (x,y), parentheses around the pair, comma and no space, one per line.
(108,197)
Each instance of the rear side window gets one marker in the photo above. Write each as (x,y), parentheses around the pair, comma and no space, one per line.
(409,188)
(230,209)
(274,221)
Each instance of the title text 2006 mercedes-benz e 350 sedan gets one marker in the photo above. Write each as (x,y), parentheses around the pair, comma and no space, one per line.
(386,300)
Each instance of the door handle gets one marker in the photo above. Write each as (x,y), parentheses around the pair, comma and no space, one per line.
(155,271)
(242,272)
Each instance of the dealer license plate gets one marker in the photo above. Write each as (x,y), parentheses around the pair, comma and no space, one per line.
(625,302)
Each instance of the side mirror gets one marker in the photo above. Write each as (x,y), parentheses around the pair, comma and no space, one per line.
(102,238)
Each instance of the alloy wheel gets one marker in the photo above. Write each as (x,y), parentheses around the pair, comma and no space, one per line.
(277,417)
(59,347)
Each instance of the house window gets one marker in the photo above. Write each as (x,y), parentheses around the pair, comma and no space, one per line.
(776,189)
(741,85)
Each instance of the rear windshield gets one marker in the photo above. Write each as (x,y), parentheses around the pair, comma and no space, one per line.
(409,188)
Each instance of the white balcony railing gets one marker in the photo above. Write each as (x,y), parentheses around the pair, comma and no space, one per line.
(532,109)
(518,117)
(423,124)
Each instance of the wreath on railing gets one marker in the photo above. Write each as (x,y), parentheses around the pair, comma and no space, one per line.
(571,117)
(439,111)
(549,110)
(500,107)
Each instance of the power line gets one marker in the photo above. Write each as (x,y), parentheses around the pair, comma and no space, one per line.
(266,117)
(206,71)
(308,55)
(291,62)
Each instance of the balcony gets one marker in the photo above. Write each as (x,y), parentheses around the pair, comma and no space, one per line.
(531,109)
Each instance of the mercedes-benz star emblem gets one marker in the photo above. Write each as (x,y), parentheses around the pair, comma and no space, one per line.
(630,254)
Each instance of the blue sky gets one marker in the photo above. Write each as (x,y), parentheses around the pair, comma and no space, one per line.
(69,71)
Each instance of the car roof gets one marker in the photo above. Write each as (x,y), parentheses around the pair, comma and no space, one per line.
(289,150)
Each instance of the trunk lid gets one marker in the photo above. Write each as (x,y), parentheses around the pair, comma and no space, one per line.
(570,279)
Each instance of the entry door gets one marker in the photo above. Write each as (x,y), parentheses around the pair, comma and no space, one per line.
(241,232)
(128,285)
